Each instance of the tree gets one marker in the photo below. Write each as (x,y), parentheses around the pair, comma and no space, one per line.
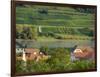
(26,32)
(85,10)
(44,50)
(43,11)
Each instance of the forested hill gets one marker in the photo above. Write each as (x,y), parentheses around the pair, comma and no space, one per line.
(54,16)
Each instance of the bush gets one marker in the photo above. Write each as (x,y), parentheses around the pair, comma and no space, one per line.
(26,32)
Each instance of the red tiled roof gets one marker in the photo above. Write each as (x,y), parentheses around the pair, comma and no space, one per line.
(87,52)
(31,50)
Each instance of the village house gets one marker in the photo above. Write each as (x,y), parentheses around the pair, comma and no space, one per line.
(18,50)
(31,54)
(82,52)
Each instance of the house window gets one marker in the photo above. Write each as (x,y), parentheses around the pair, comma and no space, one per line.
(28,54)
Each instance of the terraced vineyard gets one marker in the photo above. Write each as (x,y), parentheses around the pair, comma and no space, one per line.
(51,16)
(68,30)
(54,23)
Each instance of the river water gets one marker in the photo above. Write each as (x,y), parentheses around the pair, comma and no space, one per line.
(52,44)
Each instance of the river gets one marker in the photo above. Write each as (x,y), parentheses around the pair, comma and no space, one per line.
(52,44)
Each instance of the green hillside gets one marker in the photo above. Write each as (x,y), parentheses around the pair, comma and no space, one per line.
(71,21)
(53,16)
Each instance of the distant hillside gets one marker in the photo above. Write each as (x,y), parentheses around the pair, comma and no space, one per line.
(54,16)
